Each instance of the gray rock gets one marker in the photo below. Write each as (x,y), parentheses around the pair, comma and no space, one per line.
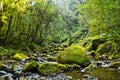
(3,73)
(88,77)
(69,77)
(6,77)
(58,77)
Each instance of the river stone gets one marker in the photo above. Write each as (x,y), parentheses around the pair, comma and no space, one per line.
(6,77)
(31,67)
(4,67)
(3,72)
(74,55)
(51,68)
(59,77)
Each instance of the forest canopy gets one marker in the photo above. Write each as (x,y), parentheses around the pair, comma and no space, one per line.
(43,22)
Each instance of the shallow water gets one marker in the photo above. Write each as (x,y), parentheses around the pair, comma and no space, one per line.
(101,73)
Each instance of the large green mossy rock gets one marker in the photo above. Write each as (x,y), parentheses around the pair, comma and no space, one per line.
(49,68)
(74,55)
(109,50)
(20,56)
(45,68)
(31,67)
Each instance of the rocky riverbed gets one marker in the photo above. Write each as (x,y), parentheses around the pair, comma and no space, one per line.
(98,70)
(45,66)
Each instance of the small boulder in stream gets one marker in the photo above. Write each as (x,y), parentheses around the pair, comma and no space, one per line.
(31,67)
(51,68)
(74,55)
(20,56)
(48,68)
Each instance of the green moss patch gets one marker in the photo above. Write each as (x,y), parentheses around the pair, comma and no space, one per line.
(108,50)
(49,68)
(31,67)
(20,56)
(3,51)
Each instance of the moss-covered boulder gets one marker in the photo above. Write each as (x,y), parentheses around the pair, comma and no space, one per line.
(108,50)
(74,55)
(31,67)
(49,68)
(20,56)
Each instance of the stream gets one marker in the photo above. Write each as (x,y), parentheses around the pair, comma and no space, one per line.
(100,73)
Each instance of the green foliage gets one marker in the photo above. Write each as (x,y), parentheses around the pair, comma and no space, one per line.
(75,55)
(3,51)
(25,23)
(38,22)
(28,21)
(101,15)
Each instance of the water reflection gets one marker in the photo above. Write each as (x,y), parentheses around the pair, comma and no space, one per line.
(100,73)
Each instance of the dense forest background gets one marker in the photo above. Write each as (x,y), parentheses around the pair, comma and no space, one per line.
(59,39)
(29,24)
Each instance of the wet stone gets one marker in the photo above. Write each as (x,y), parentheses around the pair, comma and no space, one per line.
(42,78)
(69,77)
(118,69)
(6,77)
(88,77)
(3,73)
(33,76)
(59,77)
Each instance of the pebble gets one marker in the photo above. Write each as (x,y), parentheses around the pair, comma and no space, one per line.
(83,70)
(69,77)
(88,77)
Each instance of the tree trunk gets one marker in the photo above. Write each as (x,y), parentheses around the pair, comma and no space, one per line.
(8,31)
